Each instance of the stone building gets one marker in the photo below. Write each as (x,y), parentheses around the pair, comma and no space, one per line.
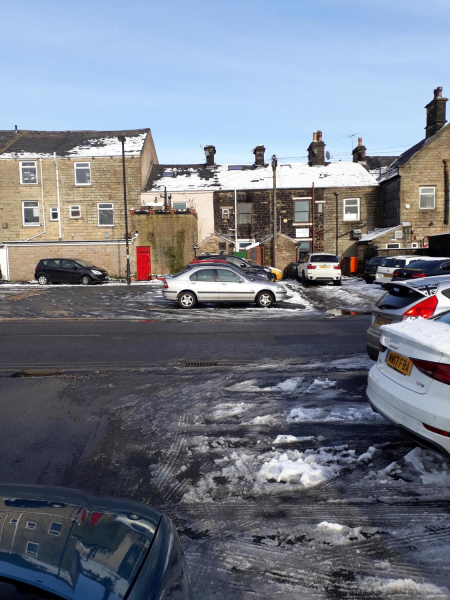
(415,187)
(321,205)
(61,195)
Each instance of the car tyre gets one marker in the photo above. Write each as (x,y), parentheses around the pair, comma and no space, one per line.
(265,299)
(43,279)
(272,277)
(368,281)
(305,282)
(338,282)
(187,300)
(86,280)
(373,354)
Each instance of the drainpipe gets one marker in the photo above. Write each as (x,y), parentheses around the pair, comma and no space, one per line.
(57,195)
(43,206)
(337,222)
(313,211)
(235,222)
(446,192)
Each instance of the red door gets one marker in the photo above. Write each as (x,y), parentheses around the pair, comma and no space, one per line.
(143,263)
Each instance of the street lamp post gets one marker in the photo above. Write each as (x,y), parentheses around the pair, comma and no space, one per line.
(121,138)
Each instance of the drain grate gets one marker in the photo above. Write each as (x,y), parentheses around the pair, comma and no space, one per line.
(201,364)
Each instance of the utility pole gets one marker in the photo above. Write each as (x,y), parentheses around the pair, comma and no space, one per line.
(121,138)
(274,168)
(337,222)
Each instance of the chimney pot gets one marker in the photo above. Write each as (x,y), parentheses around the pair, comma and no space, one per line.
(359,141)
(319,136)
(314,136)
(15,128)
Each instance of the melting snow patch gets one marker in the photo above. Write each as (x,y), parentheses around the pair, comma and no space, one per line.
(290,385)
(434,469)
(229,409)
(264,420)
(341,535)
(367,456)
(299,415)
(288,439)
(332,414)
(406,588)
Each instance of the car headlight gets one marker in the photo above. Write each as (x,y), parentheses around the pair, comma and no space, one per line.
(96,272)
(281,288)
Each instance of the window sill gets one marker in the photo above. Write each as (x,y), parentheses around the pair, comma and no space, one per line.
(299,224)
(31,225)
(110,226)
(83,184)
(22,183)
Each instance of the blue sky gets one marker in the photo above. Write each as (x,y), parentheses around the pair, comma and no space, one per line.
(234,74)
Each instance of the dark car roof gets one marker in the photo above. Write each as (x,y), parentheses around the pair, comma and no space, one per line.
(95,552)
(425,264)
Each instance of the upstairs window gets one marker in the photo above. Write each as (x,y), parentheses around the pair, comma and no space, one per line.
(427,199)
(75,212)
(32,548)
(351,209)
(82,173)
(55,528)
(54,214)
(106,214)
(28,172)
(245,213)
(179,205)
(301,211)
(30,213)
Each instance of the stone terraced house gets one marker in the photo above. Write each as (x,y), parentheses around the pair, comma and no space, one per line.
(61,195)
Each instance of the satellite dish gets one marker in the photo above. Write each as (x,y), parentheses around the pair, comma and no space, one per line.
(327,155)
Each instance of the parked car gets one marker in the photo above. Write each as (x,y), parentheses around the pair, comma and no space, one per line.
(389,264)
(423,268)
(370,270)
(319,267)
(416,298)
(66,544)
(291,271)
(217,283)
(253,263)
(410,383)
(241,263)
(68,270)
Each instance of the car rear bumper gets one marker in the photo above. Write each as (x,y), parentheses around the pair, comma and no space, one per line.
(397,406)
(372,338)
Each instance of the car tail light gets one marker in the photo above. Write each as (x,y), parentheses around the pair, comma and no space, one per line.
(311,267)
(166,285)
(424,309)
(439,372)
(416,275)
(381,347)
(338,267)
(436,430)
(395,273)
(35,269)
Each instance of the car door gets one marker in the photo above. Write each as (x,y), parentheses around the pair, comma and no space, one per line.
(54,270)
(232,287)
(71,271)
(205,285)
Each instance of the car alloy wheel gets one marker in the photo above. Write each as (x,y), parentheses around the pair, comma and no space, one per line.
(42,279)
(186,300)
(86,280)
(264,299)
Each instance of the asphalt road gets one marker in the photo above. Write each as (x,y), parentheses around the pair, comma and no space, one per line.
(93,344)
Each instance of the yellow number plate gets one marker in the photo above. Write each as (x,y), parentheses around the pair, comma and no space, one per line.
(387,275)
(400,363)
(379,321)
(324,267)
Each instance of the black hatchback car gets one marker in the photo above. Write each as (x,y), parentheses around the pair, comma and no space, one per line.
(371,267)
(240,263)
(423,268)
(68,270)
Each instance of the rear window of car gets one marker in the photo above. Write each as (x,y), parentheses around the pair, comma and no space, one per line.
(395,263)
(181,272)
(323,258)
(426,265)
(376,260)
(398,297)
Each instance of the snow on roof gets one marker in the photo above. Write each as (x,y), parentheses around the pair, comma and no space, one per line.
(376,233)
(42,144)
(434,335)
(248,177)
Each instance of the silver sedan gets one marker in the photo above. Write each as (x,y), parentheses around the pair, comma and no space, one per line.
(220,284)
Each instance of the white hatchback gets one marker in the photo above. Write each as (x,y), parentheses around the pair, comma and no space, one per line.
(410,383)
(320,267)
(391,263)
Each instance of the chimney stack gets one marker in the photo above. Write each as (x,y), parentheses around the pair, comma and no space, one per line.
(359,153)
(316,150)
(15,129)
(209,153)
(259,155)
(436,113)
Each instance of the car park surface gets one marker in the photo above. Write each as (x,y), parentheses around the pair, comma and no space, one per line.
(65,270)
(418,298)
(410,383)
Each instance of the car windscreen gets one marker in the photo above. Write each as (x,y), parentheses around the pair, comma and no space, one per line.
(376,260)
(399,297)
(396,263)
(83,263)
(445,318)
(252,262)
(324,258)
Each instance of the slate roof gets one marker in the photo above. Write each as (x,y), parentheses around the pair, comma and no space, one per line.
(377,162)
(42,144)
(246,177)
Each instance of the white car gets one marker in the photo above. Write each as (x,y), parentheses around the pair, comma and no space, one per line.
(320,267)
(206,283)
(410,383)
(391,263)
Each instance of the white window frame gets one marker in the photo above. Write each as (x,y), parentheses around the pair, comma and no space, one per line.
(56,533)
(31,525)
(32,553)
(111,207)
(21,163)
(75,167)
(179,202)
(427,187)
(76,207)
(414,244)
(36,203)
(391,246)
(349,217)
(225,213)
(52,208)
(244,241)
(398,234)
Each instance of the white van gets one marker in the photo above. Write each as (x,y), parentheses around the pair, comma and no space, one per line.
(390,263)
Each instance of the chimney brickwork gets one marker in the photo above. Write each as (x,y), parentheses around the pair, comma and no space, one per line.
(316,150)
(210,151)
(359,153)
(436,113)
(259,156)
